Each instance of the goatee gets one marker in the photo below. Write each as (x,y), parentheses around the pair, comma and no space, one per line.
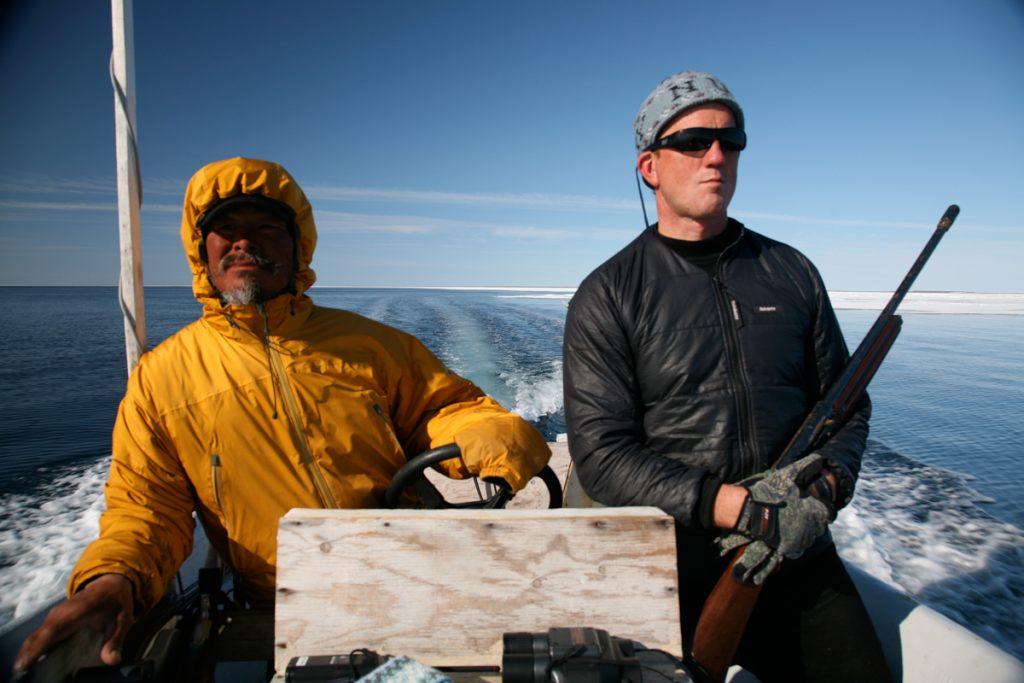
(246,294)
(249,292)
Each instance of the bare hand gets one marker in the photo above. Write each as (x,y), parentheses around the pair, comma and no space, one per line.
(104,604)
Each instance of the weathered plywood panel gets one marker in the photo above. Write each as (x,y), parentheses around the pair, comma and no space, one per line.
(442,586)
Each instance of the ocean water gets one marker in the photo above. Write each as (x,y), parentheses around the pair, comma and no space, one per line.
(939,510)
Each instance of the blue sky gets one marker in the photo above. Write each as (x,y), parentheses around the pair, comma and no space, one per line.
(480,143)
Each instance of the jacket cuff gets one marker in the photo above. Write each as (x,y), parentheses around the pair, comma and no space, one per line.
(511,477)
(78,582)
(706,503)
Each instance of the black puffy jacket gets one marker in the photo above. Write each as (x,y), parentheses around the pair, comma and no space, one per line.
(672,377)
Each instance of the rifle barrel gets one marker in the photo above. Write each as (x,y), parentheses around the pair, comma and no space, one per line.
(872,361)
(945,223)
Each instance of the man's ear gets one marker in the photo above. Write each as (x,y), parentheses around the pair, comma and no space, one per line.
(647,164)
(293,230)
(203,233)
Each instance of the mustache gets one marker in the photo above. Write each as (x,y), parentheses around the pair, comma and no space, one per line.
(254,257)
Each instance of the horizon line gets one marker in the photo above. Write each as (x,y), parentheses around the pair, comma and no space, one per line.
(509,288)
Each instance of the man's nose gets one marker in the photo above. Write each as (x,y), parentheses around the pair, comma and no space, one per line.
(241,243)
(243,239)
(715,153)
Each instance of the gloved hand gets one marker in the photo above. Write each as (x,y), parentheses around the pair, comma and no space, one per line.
(810,477)
(502,496)
(821,489)
(806,474)
(779,519)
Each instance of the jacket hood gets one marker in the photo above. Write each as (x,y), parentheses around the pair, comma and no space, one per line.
(228,178)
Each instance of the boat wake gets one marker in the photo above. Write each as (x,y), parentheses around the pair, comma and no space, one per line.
(538,393)
(41,536)
(921,529)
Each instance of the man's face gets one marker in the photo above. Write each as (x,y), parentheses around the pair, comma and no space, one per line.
(249,254)
(696,185)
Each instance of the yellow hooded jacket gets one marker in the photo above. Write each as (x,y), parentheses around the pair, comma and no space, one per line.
(243,415)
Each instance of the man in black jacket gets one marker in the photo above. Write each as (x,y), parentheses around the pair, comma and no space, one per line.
(691,357)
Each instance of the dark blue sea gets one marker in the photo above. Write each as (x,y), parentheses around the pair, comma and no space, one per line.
(939,510)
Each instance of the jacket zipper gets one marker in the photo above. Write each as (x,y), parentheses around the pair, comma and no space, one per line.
(730,311)
(290,407)
(280,379)
(388,427)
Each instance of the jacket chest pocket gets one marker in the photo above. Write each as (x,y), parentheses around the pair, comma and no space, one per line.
(215,501)
(355,438)
(215,481)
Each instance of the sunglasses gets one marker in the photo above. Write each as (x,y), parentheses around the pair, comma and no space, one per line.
(701,139)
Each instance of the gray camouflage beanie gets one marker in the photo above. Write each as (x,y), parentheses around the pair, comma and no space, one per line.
(674,94)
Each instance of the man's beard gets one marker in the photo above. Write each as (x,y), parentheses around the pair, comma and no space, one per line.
(245,294)
(250,291)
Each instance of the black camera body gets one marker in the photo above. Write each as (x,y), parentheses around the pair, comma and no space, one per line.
(333,668)
(585,655)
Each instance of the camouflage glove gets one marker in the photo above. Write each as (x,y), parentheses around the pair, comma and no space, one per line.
(778,520)
(799,478)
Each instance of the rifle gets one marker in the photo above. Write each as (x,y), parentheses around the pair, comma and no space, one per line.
(727,609)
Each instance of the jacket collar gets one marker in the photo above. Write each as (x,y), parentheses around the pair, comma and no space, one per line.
(651,241)
(282,316)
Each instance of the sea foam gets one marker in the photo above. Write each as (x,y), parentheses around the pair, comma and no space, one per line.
(920,528)
(536,394)
(42,537)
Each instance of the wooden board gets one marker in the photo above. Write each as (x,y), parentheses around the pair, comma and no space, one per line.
(442,586)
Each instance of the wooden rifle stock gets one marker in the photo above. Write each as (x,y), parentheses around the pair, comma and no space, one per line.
(723,619)
(727,610)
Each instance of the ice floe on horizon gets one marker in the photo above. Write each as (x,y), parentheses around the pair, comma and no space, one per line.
(973,303)
(966,303)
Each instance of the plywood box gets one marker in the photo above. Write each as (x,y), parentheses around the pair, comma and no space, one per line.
(442,586)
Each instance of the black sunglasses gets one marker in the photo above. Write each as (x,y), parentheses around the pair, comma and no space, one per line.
(701,139)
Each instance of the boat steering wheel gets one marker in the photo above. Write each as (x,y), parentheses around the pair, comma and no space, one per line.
(411,474)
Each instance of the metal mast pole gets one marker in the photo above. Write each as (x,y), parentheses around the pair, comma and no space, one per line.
(129,182)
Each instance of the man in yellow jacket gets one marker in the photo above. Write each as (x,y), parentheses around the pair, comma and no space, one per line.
(266,403)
